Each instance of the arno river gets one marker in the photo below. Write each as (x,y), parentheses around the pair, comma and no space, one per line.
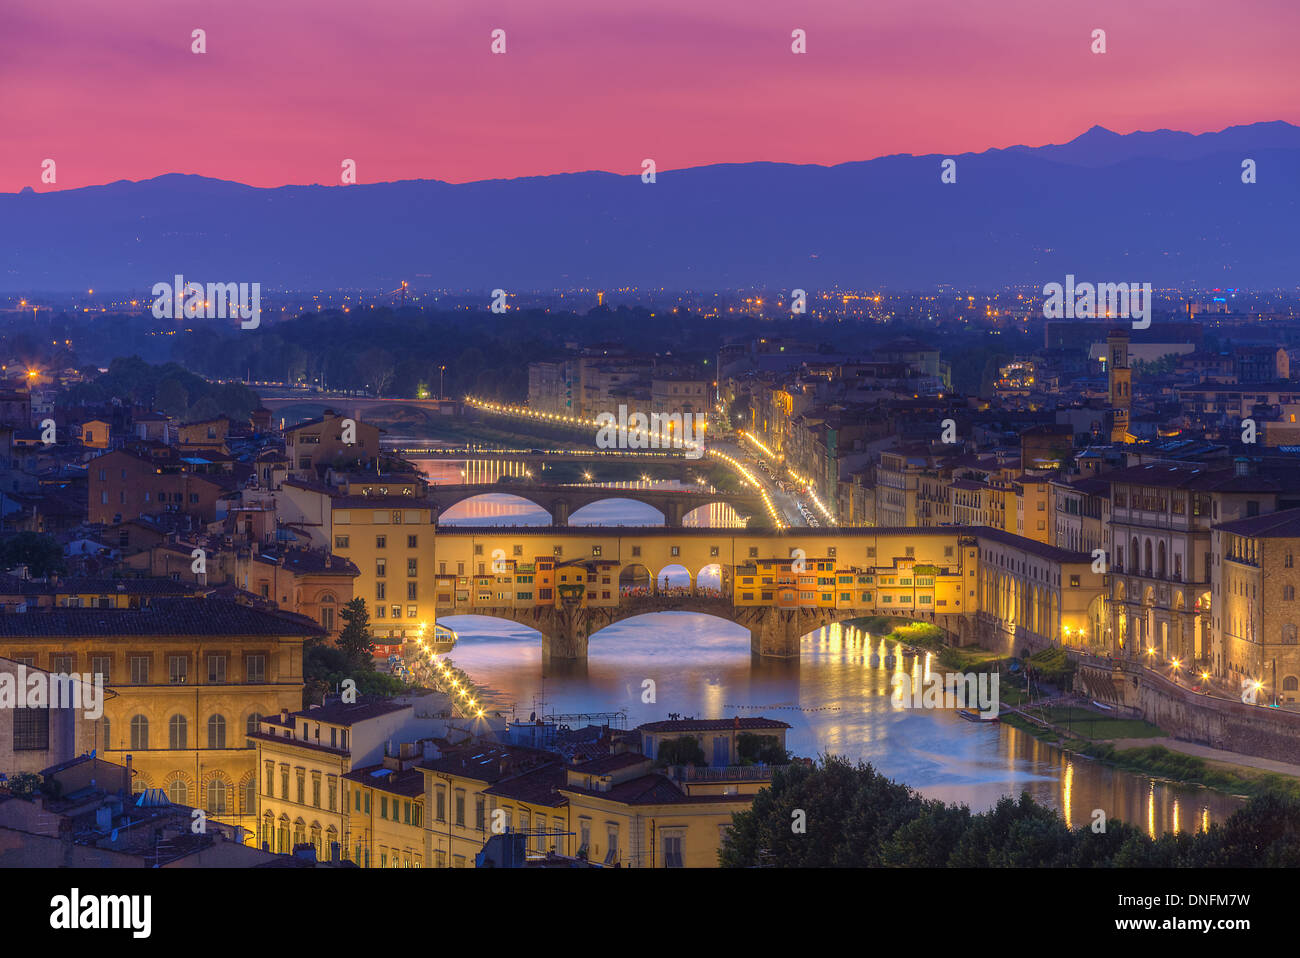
(836,698)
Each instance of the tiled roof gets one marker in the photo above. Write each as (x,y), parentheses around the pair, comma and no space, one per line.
(1274,525)
(106,586)
(490,763)
(1089,485)
(606,764)
(408,782)
(1042,550)
(162,617)
(312,486)
(1190,476)
(312,561)
(344,713)
(535,787)
(655,789)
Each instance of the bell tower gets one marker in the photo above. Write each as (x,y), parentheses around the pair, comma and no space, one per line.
(1120,378)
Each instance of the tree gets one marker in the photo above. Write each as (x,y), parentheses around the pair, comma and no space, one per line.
(377,366)
(761,748)
(40,553)
(681,751)
(326,667)
(355,640)
(171,397)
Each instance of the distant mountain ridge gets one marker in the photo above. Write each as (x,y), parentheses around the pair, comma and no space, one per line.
(1164,207)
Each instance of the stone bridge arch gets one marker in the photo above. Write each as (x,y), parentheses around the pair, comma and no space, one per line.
(462,495)
(616,495)
(774,632)
(561,501)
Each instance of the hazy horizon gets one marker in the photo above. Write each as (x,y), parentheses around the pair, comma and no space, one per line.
(284,92)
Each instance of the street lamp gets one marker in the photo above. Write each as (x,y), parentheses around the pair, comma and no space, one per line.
(441,371)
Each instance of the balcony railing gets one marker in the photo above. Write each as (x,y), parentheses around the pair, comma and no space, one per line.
(721,773)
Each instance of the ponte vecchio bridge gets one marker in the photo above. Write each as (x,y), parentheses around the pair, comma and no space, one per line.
(568,583)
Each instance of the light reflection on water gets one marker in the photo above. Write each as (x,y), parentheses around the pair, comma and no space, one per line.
(835,699)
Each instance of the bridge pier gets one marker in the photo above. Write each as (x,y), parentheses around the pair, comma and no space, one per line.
(564,634)
(564,646)
(560,513)
(777,632)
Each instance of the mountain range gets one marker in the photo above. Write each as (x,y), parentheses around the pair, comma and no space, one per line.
(1164,207)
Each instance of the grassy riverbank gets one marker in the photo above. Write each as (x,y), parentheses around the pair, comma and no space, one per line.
(1091,735)
(923,635)
(1084,723)
(1160,762)
(1086,731)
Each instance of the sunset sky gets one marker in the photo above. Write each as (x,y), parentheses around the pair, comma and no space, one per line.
(409,89)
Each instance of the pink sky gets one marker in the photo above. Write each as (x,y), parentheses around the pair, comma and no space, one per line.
(409,89)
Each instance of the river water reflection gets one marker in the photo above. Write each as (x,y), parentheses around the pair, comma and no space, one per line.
(836,701)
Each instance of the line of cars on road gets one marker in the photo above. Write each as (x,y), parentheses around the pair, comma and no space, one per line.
(789,488)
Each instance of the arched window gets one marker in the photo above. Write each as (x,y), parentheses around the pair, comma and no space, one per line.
(331,836)
(1288,593)
(1146,555)
(216,731)
(1289,634)
(248,796)
(315,838)
(251,726)
(1161,560)
(139,732)
(299,834)
(1291,684)
(282,846)
(218,796)
(1136,553)
(267,837)
(177,793)
(177,728)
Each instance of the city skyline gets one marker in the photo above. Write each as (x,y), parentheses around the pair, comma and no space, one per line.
(671,437)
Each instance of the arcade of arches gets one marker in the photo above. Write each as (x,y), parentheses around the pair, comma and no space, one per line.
(978,584)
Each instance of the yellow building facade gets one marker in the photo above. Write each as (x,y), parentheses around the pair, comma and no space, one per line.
(188,681)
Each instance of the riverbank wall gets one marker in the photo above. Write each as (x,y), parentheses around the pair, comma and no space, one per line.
(1190,716)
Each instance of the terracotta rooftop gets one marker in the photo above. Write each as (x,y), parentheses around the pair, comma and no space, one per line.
(1275,525)
(167,616)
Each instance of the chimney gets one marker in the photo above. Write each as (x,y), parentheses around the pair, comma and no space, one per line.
(284,716)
